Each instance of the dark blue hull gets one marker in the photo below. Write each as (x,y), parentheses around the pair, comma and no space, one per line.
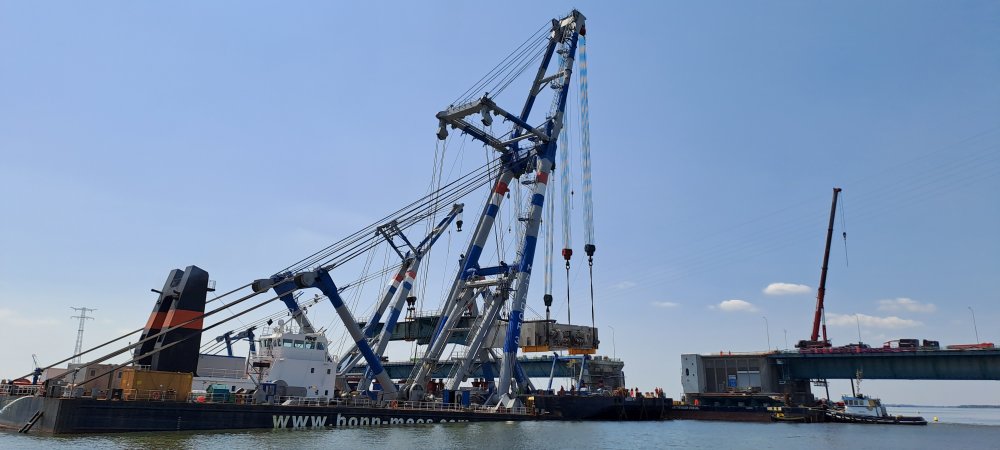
(81,415)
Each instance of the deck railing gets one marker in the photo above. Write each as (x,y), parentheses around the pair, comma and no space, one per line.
(19,390)
(360,402)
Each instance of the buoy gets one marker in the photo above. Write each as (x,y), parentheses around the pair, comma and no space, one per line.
(935,418)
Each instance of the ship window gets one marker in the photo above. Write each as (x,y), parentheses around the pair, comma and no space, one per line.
(288,343)
(312,370)
(326,392)
(327,371)
(319,346)
(311,345)
(93,371)
(687,372)
(300,344)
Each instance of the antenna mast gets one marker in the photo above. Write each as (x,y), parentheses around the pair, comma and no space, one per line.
(79,334)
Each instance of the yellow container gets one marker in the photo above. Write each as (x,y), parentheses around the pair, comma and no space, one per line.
(143,381)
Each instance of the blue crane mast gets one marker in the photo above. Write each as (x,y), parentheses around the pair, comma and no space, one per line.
(525,149)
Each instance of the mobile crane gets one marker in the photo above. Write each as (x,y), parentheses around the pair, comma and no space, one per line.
(819,319)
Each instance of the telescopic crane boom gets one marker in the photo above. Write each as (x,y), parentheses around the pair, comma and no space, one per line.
(818,318)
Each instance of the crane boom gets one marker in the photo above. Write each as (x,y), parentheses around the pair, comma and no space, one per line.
(814,341)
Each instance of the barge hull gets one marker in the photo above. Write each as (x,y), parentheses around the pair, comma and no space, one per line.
(64,415)
(600,407)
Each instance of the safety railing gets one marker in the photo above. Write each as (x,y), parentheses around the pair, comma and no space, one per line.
(437,406)
(221,373)
(239,398)
(360,402)
(153,395)
(19,390)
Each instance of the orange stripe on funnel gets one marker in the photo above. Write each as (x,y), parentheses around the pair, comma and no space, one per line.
(179,316)
(155,321)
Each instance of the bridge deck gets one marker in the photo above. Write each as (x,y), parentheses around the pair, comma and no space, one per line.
(900,365)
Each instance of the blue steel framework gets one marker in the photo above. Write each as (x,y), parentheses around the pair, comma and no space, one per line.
(285,284)
(505,281)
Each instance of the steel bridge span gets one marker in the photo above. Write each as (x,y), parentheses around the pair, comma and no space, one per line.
(878,365)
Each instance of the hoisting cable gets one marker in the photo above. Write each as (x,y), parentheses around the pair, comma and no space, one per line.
(588,198)
(550,226)
(567,251)
(843,225)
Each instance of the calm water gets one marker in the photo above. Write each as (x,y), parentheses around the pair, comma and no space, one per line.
(956,429)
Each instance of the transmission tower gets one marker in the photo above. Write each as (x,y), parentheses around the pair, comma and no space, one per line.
(79,334)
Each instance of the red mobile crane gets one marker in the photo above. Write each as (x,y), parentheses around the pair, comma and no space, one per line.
(819,318)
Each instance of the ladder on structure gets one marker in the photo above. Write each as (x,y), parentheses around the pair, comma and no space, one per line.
(31,422)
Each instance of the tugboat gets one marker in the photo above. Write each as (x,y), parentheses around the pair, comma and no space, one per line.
(863,409)
(859,408)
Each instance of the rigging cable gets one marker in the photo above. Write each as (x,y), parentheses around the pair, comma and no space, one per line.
(454,189)
(567,251)
(550,225)
(843,226)
(157,335)
(588,198)
(493,73)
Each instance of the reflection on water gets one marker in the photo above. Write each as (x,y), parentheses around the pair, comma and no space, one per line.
(966,428)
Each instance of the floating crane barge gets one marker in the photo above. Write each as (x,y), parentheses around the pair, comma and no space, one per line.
(291,380)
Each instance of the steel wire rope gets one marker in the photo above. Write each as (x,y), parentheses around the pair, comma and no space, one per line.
(513,69)
(770,246)
(261,322)
(856,214)
(885,196)
(505,82)
(420,290)
(417,204)
(352,250)
(121,337)
(355,296)
(813,198)
(228,293)
(154,351)
(201,316)
(509,69)
(470,92)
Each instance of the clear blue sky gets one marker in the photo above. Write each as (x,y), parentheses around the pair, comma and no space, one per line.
(241,136)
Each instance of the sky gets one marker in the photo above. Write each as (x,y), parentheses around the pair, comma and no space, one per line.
(136,138)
